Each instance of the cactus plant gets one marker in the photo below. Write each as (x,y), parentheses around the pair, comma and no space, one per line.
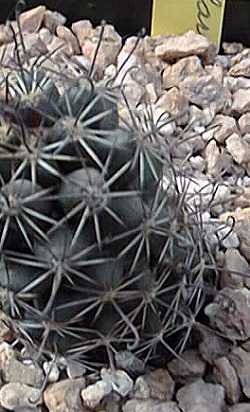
(97,257)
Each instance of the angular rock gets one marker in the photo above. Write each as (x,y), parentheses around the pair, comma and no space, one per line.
(58,48)
(34,45)
(148,51)
(198,396)
(7,55)
(232,48)
(129,362)
(236,83)
(188,44)
(224,126)
(157,384)
(28,374)
(150,405)
(240,359)
(109,47)
(52,371)
(31,20)
(151,92)
(229,313)
(227,236)
(6,35)
(242,55)
(133,91)
(6,332)
(174,74)
(45,35)
(119,380)
(187,369)
(198,163)
(94,394)
(206,91)
(66,34)
(83,30)
(65,396)
(141,388)
(237,269)
(199,118)
(176,104)
(52,19)
(240,407)
(241,69)
(75,369)
(112,403)
(238,148)
(216,71)
(17,395)
(242,229)
(241,101)
(226,375)
(244,123)
(212,155)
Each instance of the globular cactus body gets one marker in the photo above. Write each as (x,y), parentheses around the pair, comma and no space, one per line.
(97,256)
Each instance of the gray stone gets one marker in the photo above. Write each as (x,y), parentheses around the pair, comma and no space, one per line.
(13,370)
(109,47)
(188,44)
(52,371)
(17,395)
(205,91)
(187,369)
(229,313)
(66,34)
(29,374)
(216,71)
(241,101)
(238,148)
(224,126)
(83,30)
(241,69)
(176,104)
(198,395)
(95,393)
(65,396)
(242,55)
(236,270)
(244,123)
(157,384)
(240,407)
(174,74)
(6,35)
(198,163)
(34,45)
(226,375)
(150,405)
(119,380)
(240,360)
(52,19)
(232,47)
(32,19)
(129,362)
(212,155)
(242,229)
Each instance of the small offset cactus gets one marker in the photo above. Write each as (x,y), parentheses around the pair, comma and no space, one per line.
(97,258)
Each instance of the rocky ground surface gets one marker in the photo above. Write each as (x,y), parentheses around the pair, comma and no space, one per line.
(202,100)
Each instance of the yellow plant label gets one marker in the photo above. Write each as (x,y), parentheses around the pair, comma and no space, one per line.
(177,16)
